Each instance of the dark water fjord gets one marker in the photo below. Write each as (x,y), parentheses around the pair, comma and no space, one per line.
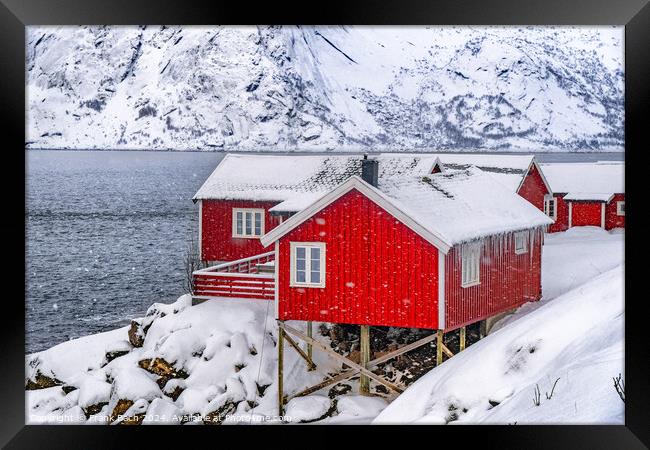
(106,236)
(107,232)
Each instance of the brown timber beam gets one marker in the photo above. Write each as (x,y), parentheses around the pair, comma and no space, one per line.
(280,369)
(462,338)
(310,363)
(341,358)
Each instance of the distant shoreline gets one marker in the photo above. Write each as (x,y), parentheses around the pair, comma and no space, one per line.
(328,152)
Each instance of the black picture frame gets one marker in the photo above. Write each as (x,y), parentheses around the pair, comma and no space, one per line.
(15,15)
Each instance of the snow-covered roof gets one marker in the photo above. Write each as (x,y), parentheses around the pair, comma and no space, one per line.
(509,170)
(445,208)
(586,181)
(296,181)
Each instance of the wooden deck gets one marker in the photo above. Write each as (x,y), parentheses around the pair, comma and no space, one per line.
(249,278)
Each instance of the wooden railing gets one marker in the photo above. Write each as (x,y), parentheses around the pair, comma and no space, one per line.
(240,279)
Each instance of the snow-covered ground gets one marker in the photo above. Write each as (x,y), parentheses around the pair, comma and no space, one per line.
(219,358)
(573,338)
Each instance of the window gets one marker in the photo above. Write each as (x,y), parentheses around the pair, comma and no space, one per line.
(247,222)
(521,243)
(471,263)
(307,264)
(550,207)
(620,208)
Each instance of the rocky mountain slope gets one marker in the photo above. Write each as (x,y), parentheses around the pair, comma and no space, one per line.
(325,88)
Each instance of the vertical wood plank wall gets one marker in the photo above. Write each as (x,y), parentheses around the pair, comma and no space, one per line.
(507,280)
(378,271)
(217,243)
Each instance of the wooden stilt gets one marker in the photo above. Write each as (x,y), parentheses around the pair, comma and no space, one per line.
(280,370)
(364,341)
(294,344)
(326,349)
(309,346)
(439,345)
(462,338)
(483,329)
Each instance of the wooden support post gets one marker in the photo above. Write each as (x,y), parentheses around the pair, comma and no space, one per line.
(310,363)
(364,341)
(439,345)
(462,338)
(483,329)
(280,369)
(309,346)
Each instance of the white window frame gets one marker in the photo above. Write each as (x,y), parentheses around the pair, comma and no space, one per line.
(523,236)
(293,248)
(252,212)
(618,208)
(547,204)
(470,264)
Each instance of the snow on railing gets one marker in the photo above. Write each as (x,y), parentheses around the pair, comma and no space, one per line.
(241,279)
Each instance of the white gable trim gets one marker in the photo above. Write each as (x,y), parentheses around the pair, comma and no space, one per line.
(441,291)
(433,166)
(372,194)
(541,174)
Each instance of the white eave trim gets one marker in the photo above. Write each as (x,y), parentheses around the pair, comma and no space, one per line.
(371,193)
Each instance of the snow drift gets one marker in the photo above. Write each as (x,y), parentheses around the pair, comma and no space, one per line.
(569,349)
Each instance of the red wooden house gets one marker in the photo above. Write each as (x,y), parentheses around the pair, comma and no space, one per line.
(519,173)
(586,194)
(248,195)
(438,251)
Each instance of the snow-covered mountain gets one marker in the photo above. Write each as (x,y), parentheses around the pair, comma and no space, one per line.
(325,88)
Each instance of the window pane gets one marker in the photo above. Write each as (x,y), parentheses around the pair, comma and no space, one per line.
(258,224)
(315,277)
(300,252)
(315,253)
(249,224)
(240,218)
(300,276)
(315,264)
(300,264)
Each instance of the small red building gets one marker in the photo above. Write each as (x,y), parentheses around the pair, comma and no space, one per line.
(519,173)
(586,194)
(435,251)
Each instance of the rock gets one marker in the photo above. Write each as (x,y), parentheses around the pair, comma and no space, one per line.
(117,349)
(41,381)
(94,409)
(120,408)
(136,335)
(161,367)
(174,388)
(67,388)
(219,415)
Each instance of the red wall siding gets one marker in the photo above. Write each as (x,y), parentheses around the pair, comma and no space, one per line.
(533,188)
(378,271)
(562,220)
(217,243)
(613,220)
(507,281)
(585,213)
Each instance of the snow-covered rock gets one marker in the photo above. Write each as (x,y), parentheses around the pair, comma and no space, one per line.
(307,409)
(321,88)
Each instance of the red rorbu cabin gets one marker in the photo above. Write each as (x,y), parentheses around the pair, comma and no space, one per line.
(519,173)
(435,251)
(586,194)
